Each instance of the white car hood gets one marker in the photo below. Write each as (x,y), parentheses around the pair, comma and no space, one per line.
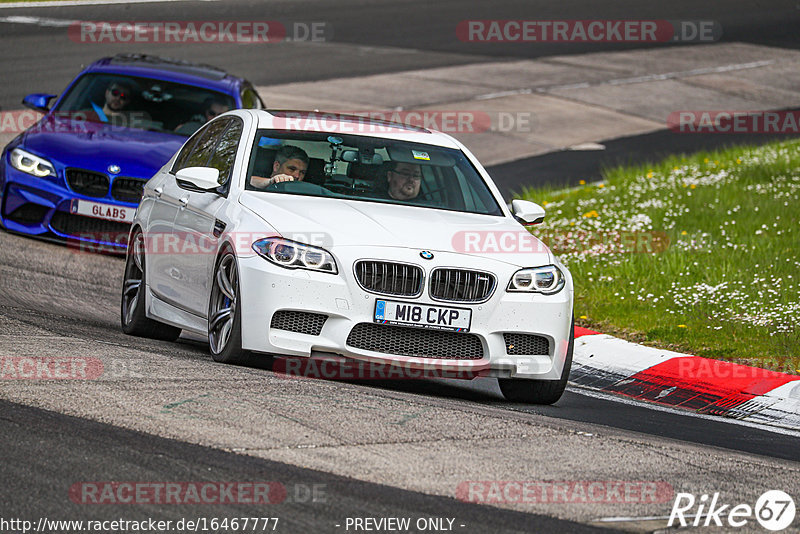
(340,223)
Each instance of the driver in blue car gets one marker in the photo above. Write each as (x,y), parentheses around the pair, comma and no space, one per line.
(118,96)
(290,164)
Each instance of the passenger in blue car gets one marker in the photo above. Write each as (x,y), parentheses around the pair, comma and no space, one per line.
(212,106)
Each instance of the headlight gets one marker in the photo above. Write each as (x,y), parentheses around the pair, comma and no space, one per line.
(547,280)
(30,164)
(294,255)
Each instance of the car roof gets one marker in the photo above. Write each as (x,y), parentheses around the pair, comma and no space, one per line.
(167,69)
(347,124)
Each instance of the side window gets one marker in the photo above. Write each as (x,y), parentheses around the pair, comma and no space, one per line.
(204,147)
(185,151)
(225,154)
(250,99)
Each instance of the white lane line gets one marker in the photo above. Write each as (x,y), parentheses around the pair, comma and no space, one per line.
(693,72)
(38,21)
(500,94)
(633,80)
(646,518)
(89,3)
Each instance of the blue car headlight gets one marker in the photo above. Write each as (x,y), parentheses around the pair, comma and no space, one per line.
(293,255)
(547,280)
(34,165)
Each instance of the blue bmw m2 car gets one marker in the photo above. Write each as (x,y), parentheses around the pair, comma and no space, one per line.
(77,174)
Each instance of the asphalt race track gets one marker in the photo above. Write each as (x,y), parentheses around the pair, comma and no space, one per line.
(368,37)
(58,301)
(165,412)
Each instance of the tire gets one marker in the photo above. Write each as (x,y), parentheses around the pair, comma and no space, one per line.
(225,312)
(133,319)
(539,391)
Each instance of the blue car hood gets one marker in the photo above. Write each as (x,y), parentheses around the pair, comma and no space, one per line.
(96,146)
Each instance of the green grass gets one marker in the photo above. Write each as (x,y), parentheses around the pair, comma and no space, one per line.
(725,285)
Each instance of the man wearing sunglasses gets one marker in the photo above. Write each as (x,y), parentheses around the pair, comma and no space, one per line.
(212,106)
(117,98)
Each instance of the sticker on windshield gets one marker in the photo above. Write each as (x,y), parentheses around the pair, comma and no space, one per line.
(418,154)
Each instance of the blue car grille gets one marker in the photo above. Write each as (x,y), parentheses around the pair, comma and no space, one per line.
(89,183)
(90,229)
(127,189)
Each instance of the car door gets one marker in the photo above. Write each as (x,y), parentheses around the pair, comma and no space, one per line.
(196,227)
(166,244)
(160,247)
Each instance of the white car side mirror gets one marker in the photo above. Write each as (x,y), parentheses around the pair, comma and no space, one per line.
(527,212)
(204,178)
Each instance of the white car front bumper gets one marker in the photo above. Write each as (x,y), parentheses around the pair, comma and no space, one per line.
(267,289)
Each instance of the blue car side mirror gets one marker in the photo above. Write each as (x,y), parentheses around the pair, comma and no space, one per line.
(38,102)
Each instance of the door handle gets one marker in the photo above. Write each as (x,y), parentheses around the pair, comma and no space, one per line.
(158,191)
(183,201)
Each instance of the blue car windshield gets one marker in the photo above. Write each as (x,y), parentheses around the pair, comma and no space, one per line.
(368,169)
(142,103)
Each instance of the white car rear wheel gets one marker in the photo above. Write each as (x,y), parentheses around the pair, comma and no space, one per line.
(133,319)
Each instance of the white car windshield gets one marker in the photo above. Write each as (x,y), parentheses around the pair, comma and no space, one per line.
(367,169)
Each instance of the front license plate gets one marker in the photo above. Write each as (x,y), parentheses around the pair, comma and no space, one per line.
(422,315)
(98,210)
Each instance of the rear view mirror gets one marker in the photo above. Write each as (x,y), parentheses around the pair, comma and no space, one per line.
(203,178)
(38,102)
(527,212)
(364,157)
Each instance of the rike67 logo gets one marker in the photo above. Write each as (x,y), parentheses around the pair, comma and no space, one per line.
(774,510)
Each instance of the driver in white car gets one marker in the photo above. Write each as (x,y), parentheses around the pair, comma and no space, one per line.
(290,164)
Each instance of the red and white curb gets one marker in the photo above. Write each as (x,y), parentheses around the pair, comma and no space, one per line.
(702,385)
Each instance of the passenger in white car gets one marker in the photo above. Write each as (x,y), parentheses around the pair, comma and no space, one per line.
(404,180)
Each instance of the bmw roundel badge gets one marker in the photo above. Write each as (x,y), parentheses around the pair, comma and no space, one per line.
(426,255)
(114,169)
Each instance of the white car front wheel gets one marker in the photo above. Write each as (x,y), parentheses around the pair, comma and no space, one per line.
(539,391)
(224,312)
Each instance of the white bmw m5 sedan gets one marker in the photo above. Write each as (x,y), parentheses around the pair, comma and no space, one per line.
(307,235)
